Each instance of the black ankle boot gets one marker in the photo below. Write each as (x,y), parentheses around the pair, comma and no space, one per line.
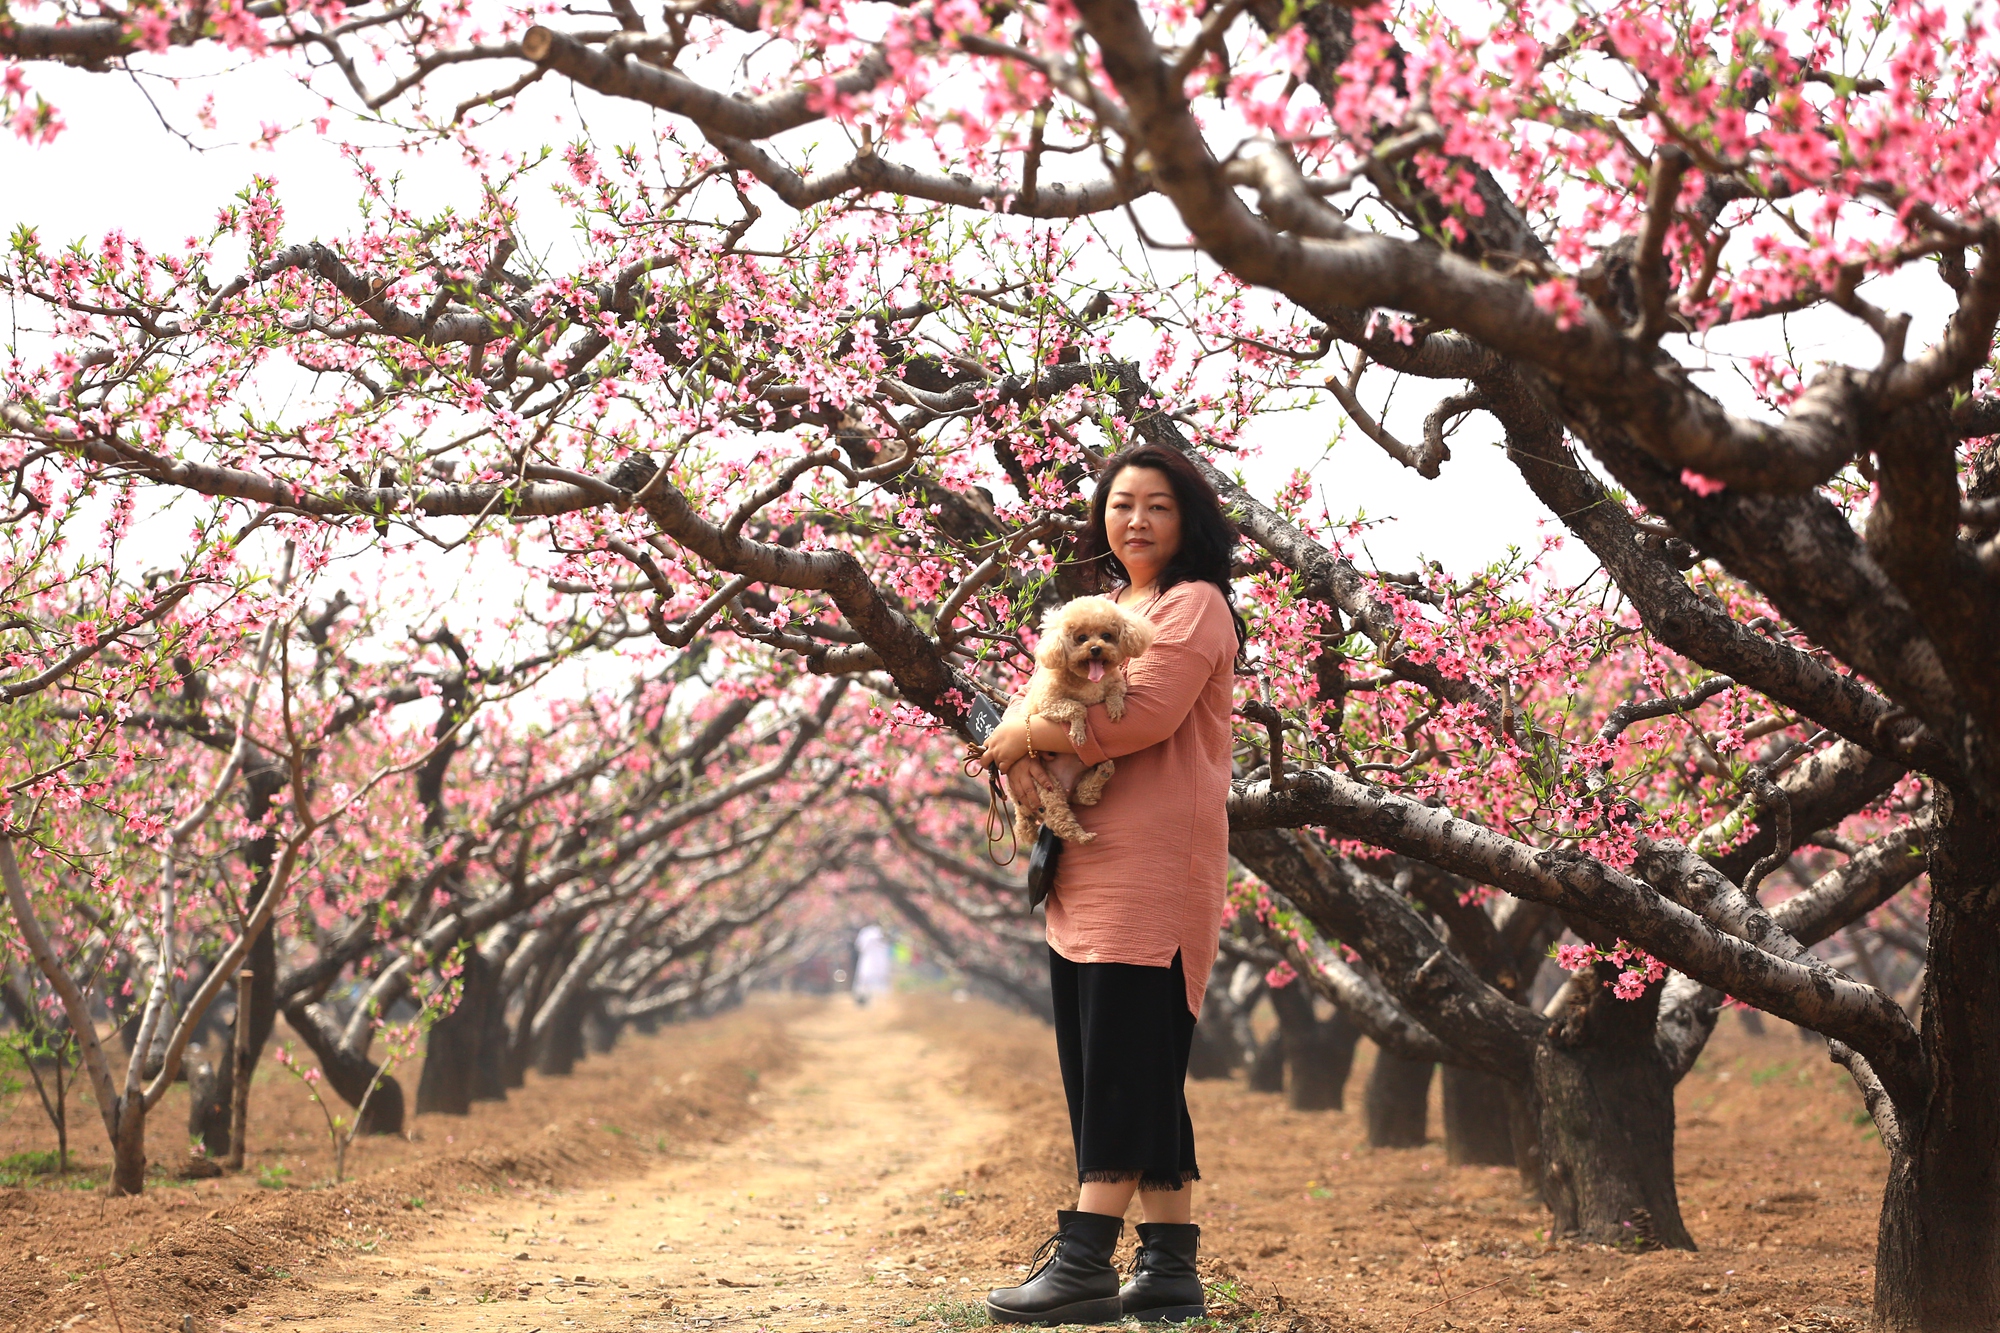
(1077,1284)
(1164,1285)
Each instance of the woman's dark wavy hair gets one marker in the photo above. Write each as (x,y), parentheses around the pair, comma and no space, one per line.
(1208,538)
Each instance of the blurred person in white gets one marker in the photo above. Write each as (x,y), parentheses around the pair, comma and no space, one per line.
(871,964)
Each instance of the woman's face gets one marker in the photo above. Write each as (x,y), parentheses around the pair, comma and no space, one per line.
(1142,521)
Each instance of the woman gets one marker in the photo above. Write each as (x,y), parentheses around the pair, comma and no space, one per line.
(1134,915)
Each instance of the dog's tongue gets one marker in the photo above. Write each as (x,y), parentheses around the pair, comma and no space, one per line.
(1096,671)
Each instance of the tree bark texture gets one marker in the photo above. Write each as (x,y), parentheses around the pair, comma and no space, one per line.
(1398,1101)
(1937,1264)
(128,1148)
(1605,1111)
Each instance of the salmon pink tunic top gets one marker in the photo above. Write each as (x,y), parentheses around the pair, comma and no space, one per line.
(1152,883)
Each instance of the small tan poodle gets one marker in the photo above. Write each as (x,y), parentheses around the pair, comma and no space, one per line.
(1085,646)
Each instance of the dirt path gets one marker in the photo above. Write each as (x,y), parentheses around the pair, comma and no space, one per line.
(782,1227)
(894,1181)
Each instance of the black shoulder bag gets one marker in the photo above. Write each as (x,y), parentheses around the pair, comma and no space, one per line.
(1042,865)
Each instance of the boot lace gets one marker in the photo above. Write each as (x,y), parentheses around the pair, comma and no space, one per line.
(1046,1255)
(1139,1260)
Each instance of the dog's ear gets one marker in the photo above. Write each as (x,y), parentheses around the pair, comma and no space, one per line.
(1049,652)
(1136,636)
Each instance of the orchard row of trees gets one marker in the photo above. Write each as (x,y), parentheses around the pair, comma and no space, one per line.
(858,296)
(234,837)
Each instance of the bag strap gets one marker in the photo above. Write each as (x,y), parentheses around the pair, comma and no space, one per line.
(996,809)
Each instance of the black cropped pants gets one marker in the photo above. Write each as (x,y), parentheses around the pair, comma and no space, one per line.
(1123,1032)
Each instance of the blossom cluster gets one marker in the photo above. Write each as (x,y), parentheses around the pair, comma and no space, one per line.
(1637,969)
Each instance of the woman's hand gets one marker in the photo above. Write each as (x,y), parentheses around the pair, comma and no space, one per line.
(1008,745)
(1025,781)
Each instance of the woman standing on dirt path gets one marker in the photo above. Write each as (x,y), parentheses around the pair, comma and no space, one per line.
(1134,915)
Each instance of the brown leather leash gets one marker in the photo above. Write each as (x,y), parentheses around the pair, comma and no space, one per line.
(996,808)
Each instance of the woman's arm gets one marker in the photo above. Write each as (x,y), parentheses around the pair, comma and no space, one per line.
(1159,701)
(1164,685)
(1008,745)
(1195,635)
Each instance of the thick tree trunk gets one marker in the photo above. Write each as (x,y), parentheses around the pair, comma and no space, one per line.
(489,1065)
(452,1051)
(562,1045)
(541,979)
(1318,1080)
(1214,1053)
(1527,1138)
(349,1073)
(1937,1262)
(212,1079)
(1267,1065)
(211,1091)
(1605,1107)
(1397,1103)
(519,1055)
(600,1029)
(128,1148)
(1237,1001)
(1319,1054)
(1478,1127)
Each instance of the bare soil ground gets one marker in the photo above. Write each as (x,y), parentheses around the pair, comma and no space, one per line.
(815,1166)
(196,1255)
(1780,1179)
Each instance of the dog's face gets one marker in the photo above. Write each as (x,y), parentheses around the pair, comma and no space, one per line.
(1090,636)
